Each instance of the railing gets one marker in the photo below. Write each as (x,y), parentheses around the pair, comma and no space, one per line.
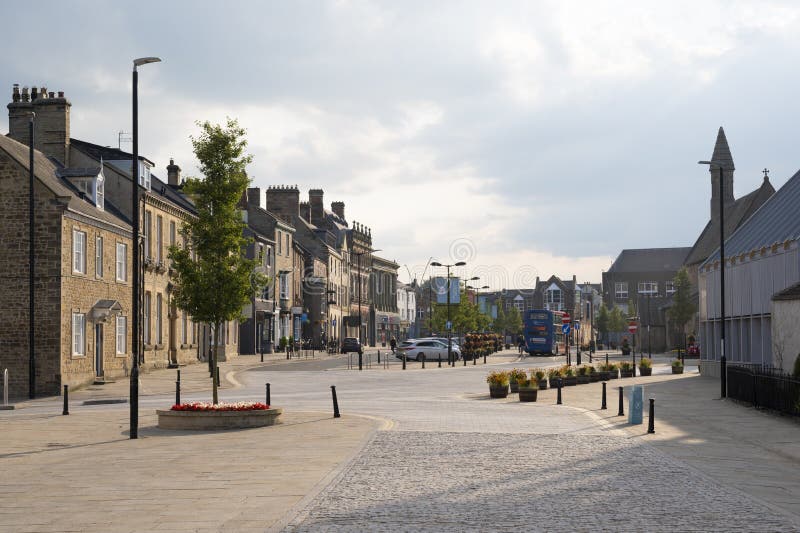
(768,388)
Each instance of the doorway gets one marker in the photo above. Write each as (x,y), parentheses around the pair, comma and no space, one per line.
(98,349)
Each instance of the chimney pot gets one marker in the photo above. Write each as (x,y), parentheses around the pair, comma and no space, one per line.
(173,173)
(51,94)
(61,94)
(34,93)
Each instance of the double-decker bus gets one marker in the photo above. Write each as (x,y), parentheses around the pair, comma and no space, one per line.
(543,332)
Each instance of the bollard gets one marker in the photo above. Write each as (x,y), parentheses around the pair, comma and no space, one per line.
(440,360)
(606,359)
(404,360)
(335,403)
(484,358)
(218,377)
(423,363)
(379,357)
(5,387)
(360,360)
(621,410)
(590,357)
(603,405)
(558,398)
(579,358)
(269,402)
(651,427)
(66,400)
(177,393)
(474,360)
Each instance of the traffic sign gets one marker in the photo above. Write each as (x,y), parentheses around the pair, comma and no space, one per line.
(566,319)
(448,326)
(565,329)
(632,327)
(577,325)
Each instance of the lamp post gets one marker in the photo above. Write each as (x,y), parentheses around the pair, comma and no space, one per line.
(134,419)
(721,165)
(31,266)
(450,360)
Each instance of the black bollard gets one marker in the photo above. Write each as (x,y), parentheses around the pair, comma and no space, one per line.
(335,403)
(268,398)
(360,360)
(423,363)
(558,398)
(379,357)
(177,393)
(484,358)
(465,359)
(621,410)
(66,400)
(440,360)
(603,405)
(474,360)
(404,360)
(651,424)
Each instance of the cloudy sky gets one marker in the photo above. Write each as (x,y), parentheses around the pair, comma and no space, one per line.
(529,138)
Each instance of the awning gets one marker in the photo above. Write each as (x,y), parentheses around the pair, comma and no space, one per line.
(103,309)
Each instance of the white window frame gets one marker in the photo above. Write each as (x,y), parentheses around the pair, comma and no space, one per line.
(78,251)
(159,238)
(122,334)
(648,287)
(78,334)
(669,287)
(620,289)
(98,256)
(284,286)
(122,262)
(100,193)
(173,232)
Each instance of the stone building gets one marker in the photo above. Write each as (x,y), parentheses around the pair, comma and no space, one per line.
(82,284)
(407,309)
(384,315)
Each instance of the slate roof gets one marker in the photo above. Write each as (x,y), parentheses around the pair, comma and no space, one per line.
(722,152)
(89,172)
(650,260)
(45,172)
(790,293)
(104,152)
(735,215)
(776,221)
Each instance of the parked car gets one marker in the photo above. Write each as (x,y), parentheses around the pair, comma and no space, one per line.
(443,340)
(352,344)
(425,350)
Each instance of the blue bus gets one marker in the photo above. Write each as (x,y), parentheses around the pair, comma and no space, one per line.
(542,329)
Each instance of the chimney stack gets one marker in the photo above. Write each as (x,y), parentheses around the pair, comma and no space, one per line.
(338,209)
(254,196)
(51,125)
(173,173)
(305,211)
(317,207)
(284,200)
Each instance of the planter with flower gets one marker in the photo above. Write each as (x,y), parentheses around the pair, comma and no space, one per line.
(613,370)
(514,376)
(626,348)
(209,416)
(583,374)
(528,389)
(498,384)
(626,369)
(554,375)
(568,376)
(594,375)
(540,376)
(677,366)
(645,367)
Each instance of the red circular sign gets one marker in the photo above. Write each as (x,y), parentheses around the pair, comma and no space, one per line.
(632,327)
(566,318)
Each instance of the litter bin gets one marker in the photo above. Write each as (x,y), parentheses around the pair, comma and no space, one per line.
(635,404)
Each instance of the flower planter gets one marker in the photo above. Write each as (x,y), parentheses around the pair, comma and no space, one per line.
(212,420)
(527,394)
(569,381)
(603,375)
(514,386)
(613,374)
(582,379)
(677,370)
(543,384)
(498,391)
(646,371)
(626,373)
(594,377)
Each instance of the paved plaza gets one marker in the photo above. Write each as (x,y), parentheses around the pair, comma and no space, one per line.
(415,450)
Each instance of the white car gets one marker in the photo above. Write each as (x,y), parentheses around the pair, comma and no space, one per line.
(425,350)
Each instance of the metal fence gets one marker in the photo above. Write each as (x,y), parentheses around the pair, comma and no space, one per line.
(764,387)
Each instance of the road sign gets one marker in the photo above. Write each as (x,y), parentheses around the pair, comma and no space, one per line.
(448,326)
(577,325)
(632,327)
(565,329)
(566,319)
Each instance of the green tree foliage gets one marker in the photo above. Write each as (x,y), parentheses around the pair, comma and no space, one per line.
(603,321)
(617,321)
(215,282)
(683,307)
(499,323)
(514,321)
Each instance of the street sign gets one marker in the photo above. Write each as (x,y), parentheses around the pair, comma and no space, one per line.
(566,319)
(448,326)
(577,325)
(632,327)
(565,329)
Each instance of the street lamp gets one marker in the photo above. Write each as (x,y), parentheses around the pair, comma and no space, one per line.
(134,390)
(359,254)
(450,360)
(722,166)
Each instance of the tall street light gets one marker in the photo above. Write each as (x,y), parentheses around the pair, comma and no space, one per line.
(31,268)
(134,427)
(721,166)
(450,360)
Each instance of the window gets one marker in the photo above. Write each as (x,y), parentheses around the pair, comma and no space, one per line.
(78,251)
(144,175)
(122,262)
(147,230)
(146,317)
(669,286)
(287,244)
(78,334)
(159,238)
(98,257)
(159,316)
(621,289)
(648,287)
(284,286)
(122,335)
(172,233)
(280,239)
(100,195)
(184,328)
(553,299)
(269,256)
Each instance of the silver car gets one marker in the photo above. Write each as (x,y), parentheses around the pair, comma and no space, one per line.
(425,350)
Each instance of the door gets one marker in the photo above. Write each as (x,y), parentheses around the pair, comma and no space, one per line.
(98,350)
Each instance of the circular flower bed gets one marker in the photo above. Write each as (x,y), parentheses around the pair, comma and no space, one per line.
(205,406)
(209,416)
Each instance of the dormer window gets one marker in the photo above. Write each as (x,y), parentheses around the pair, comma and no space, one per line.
(100,191)
(91,185)
(144,175)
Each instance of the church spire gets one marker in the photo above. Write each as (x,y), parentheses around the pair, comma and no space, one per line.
(721,150)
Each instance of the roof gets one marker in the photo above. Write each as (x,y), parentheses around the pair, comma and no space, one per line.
(776,221)
(722,152)
(790,293)
(88,172)
(45,171)
(735,215)
(650,260)
(104,152)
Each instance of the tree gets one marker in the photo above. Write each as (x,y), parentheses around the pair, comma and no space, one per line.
(683,307)
(499,323)
(514,321)
(216,281)
(617,320)
(603,320)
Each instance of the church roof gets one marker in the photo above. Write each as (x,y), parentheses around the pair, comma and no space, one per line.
(650,260)
(722,152)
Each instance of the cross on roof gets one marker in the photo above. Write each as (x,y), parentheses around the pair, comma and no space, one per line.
(766,172)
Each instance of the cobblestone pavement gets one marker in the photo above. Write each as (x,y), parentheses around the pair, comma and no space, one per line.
(436,481)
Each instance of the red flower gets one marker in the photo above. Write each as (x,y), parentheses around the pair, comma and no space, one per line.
(203,406)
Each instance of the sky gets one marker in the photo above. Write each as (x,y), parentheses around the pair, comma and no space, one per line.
(525,138)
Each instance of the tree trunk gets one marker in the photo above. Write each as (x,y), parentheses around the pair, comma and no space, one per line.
(214,344)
